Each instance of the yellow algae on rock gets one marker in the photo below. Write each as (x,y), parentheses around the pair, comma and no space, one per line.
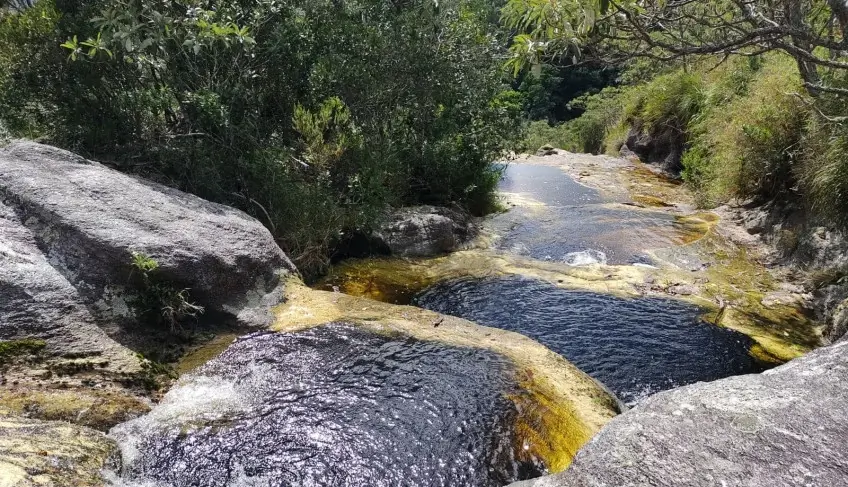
(560,407)
(51,453)
(98,409)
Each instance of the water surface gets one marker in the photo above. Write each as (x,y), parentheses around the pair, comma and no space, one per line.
(561,220)
(333,406)
(635,346)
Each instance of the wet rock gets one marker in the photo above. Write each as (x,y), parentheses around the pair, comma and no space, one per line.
(423,231)
(51,454)
(92,407)
(783,427)
(38,304)
(89,219)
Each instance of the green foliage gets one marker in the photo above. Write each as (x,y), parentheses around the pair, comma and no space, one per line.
(597,131)
(667,102)
(745,142)
(159,300)
(311,116)
(154,375)
(539,133)
(824,172)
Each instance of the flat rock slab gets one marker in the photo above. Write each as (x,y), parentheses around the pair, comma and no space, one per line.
(51,454)
(89,219)
(785,427)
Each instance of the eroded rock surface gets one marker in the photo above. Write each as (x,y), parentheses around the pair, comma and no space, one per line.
(89,219)
(423,231)
(51,454)
(785,427)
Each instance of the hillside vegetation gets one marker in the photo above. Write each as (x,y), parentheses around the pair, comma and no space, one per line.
(747,99)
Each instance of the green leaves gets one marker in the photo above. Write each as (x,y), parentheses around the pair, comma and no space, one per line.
(90,47)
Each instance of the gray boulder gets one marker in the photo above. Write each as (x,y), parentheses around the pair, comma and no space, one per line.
(785,427)
(37,302)
(88,220)
(424,231)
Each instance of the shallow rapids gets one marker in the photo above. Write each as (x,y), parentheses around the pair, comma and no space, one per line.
(333,406)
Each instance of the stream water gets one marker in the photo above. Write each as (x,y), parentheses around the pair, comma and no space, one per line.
(341,407)
(635,346)
(333,406)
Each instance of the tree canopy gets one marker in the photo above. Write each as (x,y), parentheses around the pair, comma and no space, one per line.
(813,32)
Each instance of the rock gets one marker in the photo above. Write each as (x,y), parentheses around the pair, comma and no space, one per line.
(424,231)
(547,150)
(88,220)
(98,409)
(784,427)
(663,147)
(51,454)
(38,303)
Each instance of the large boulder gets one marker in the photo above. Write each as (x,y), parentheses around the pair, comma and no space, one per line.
(785,427)
(52,454)
(423,231)
(38,305)
(89,220)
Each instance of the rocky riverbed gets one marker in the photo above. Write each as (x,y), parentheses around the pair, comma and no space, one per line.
(608,265)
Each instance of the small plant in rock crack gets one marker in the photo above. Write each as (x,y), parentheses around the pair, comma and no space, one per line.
(159,298)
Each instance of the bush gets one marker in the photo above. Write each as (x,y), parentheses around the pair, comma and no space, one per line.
(824,169)
(745,143)
(311,116)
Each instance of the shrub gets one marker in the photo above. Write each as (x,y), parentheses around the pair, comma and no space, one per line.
(745,143)
(824,169)
(311,116)
(159,300)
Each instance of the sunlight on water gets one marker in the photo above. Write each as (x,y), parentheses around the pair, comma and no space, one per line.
(636,347)
(332,406)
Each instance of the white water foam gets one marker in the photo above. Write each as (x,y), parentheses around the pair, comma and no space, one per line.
(585,258)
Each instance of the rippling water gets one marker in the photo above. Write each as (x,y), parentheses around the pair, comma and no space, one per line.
(333,406)
(574,219)
(635,346)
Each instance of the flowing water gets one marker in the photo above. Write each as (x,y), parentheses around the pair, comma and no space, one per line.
(339,406)
(333,406)
(562,220)
(635,346)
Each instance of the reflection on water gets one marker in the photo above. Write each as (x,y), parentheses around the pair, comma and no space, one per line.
(547,184)
(333,406)
(635,346)
(571,218)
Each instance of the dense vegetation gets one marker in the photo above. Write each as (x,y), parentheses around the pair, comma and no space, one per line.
(314,116)
(753,92)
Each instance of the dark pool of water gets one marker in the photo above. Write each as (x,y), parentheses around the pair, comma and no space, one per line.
(333,406)
(636,347)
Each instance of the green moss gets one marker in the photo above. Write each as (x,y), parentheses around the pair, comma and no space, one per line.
(98,409)
(13,350)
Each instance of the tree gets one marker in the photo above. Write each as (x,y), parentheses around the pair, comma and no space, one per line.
(813,32)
